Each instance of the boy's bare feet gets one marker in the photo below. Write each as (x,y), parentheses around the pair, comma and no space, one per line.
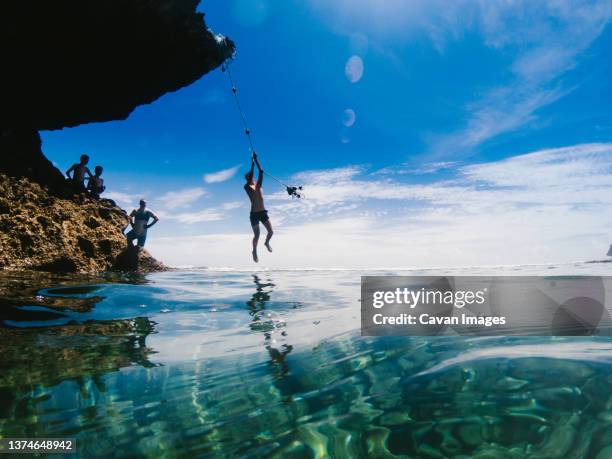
(267,244)
(255,259)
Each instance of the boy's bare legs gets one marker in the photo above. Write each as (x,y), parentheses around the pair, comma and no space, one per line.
(255,241)
(268,226)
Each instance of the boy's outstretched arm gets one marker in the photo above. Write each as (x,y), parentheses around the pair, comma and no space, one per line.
(259,169)
(69,171)
(252,167)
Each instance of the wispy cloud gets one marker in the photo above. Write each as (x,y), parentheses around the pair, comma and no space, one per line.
(211,214)
(232,205)
(548,205)
(123,199)
(328,190)
(542,40)
(410,169)
(181,198)
(222,175)
(550,37)
(500,111)
(567,175)
(206,215)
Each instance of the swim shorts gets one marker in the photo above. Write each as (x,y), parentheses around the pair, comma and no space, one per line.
(131,235)
(256,217)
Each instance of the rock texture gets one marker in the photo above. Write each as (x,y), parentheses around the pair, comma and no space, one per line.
(21,156)
(40,231)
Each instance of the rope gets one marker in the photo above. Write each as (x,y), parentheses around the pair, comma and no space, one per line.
(274,178)
(291,190)
(247,131)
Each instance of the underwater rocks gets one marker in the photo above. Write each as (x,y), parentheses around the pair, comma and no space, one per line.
(41,231)
(101,347)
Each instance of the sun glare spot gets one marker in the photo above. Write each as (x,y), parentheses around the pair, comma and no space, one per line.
(348,117)
(354,69)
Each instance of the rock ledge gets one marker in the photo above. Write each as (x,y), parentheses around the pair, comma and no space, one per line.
(41,231)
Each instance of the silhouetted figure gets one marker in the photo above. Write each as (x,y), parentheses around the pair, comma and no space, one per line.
(79,170)
(258,211)
(95,185)
(139,220)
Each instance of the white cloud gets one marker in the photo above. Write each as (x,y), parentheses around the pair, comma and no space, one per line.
(232,205)
(181,198)
(407,168)
(546,206)
(551,37)
(333,189)
(501,110)
(211,214)
(222,175)
(123,199)
(206,215)
(545,40)
(574,169)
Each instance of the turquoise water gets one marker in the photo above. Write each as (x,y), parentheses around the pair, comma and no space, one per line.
(270,364)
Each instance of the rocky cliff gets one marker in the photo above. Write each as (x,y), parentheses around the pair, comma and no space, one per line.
(69,62)
(40,231)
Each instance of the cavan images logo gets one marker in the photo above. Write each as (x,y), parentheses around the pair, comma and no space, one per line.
(474,305)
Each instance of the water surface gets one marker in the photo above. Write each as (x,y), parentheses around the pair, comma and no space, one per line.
(207,363)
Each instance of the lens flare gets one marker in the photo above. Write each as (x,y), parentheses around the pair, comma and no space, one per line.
(354,69)
(348,117)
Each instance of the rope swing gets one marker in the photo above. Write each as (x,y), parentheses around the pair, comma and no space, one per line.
(293,191)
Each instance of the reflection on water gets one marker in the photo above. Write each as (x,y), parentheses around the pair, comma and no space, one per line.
(236,364)
(270,324)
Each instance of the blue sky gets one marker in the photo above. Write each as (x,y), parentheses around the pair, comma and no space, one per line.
(426,133)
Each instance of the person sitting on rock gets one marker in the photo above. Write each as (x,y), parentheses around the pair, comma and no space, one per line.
(139,220)
(95,185)
(78,173)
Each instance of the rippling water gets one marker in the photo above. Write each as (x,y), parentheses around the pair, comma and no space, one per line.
(270,364)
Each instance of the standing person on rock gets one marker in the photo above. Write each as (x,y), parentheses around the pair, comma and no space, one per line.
(79,170)
(139,220)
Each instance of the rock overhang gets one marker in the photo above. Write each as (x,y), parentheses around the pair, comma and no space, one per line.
(70,62)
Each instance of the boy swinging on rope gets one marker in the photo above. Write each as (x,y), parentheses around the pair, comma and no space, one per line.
(258,211)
